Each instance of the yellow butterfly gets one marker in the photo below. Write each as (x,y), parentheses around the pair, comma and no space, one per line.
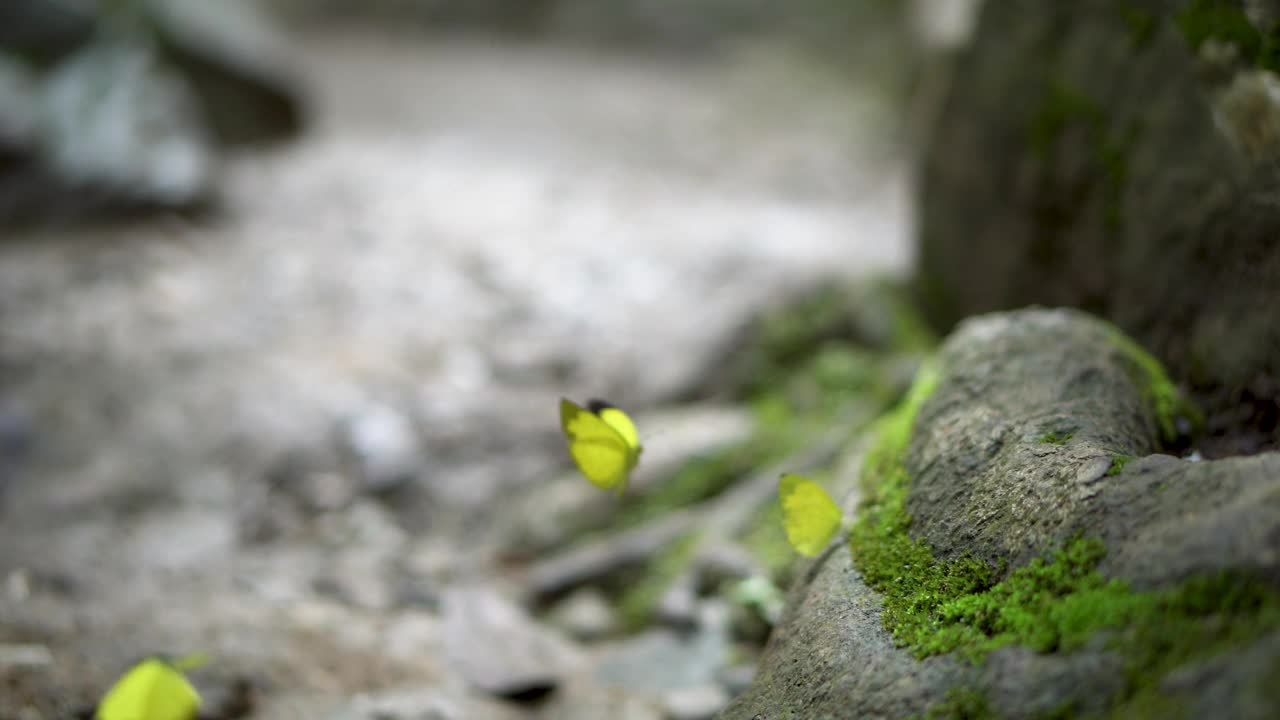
(809,515)
(602,441)
(154,689)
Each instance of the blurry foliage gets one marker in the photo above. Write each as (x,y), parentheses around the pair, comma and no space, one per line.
(832,356)
(638,595)
(831,346)
(699,479)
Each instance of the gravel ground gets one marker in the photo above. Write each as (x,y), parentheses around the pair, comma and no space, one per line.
(202,420)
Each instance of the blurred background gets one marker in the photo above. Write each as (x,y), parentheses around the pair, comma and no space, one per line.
(290,290)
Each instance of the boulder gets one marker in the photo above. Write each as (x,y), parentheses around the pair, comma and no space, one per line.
(1093,573)
(111,109)
(1119,157)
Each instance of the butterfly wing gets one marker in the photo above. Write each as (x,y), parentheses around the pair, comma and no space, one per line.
(621,423)
(151,690)
(809,515)
(601,453)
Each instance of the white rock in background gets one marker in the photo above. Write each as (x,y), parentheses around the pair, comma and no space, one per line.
(382,447)
(117,118)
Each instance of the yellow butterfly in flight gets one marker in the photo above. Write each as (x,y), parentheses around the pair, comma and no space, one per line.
(154,689)
(809,515)
(603,441)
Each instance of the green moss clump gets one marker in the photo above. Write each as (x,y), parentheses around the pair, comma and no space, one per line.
(1117,464)
(1047,605)
(961,703)
(904,570)
(1056,438)
(1060,604)
(1166,402)
(1203,617)
(1225,21)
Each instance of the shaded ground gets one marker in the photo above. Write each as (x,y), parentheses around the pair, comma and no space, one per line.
(470,231)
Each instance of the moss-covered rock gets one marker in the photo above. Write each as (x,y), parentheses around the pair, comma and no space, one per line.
(993,574)
(1117,156)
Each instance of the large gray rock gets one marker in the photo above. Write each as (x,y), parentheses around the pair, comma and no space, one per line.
(1013,455)
(115,119)
(118,107)
(1119,157)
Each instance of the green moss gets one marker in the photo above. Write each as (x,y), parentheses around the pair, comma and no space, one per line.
(961,704)
(1057,603)
(1056,438)
(640,598)
(1061,603)
(903,570)
(1164,398)
(1203,617)
(1117,464)
(1047,605)
(1226,22)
